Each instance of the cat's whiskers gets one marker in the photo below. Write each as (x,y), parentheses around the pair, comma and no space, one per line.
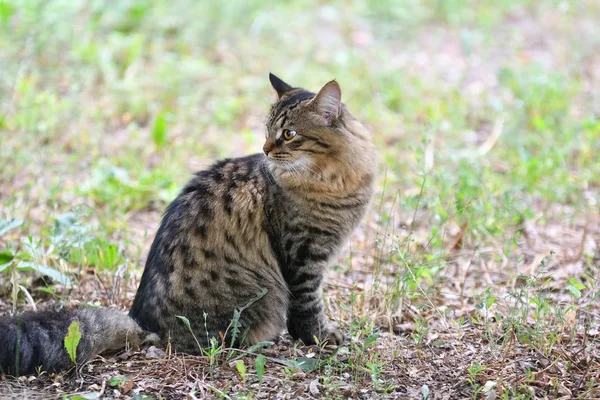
(295,173)
(316,174)
(291,168)
(296,168)
(314,164)
(312,174)
(301,171)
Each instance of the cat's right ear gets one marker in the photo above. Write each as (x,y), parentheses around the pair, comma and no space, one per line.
(328,102)
(280,86)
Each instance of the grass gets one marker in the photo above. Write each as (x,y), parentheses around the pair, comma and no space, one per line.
(477,268)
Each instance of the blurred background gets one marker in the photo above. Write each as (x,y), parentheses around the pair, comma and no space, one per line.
(145,92)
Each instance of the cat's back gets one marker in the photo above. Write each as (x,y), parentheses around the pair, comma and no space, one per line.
(229,188)
(211,253)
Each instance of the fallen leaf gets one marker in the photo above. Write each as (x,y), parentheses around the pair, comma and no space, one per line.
(313,387)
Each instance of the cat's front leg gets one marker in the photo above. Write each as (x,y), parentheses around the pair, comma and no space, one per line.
(306,319)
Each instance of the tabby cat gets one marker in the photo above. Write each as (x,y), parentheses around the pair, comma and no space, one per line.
(241,252)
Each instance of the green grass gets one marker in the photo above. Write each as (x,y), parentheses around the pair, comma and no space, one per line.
(485,117)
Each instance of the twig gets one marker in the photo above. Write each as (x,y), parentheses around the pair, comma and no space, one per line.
(493,138)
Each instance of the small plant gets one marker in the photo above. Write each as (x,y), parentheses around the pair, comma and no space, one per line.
(216,348)
(116,381)
(484,303)
(16,261)
(186,322)
(72,341)
(109,182)
(159,130)
(99,253)
(241,369)
(475,369)
(259,365)
(575,287)
(235,322)
(421,331)
(374,367)
(213,352)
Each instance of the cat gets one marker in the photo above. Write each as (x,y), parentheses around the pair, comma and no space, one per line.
(241,253)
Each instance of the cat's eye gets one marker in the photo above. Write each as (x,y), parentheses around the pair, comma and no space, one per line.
(288,134)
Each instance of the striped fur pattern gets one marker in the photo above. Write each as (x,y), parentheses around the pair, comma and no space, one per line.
(261,223)
(241,252)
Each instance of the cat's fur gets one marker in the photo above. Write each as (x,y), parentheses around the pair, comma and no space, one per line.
(35,340)
(252,234)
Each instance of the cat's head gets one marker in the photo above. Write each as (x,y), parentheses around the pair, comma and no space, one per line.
(312,136)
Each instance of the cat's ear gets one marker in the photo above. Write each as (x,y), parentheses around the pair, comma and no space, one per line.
(328,102)
(280,86)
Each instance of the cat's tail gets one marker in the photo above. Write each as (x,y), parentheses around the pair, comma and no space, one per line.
(35,341)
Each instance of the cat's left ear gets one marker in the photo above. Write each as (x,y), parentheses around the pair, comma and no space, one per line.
(328,102)
(280,86)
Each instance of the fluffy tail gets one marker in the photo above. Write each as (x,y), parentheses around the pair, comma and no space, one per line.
(34,341)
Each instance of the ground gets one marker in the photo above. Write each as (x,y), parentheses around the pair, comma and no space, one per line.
(476,273)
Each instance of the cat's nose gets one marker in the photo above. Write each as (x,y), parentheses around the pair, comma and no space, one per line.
(267,148)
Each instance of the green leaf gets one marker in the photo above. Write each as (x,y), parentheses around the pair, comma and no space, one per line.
(259,345)
(490,301)
(259,364)
(85,396)
(72,340)
(7,225)
(425,392)
(64,222)
(185,321)
(44,270)
(241,369)
(238,312)
(117,380)
(575,292)
(24,256)
(142,396)
(159,130)
(6,11)
(235,325)
(371,339)
(575,287)
(6,256)
(523,338)
(576,283)
(305,364)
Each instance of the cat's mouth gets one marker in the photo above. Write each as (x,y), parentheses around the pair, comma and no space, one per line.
(275,158)
(283,162)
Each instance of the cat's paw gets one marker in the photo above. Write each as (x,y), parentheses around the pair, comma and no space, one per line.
(332,334)
(315,332)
